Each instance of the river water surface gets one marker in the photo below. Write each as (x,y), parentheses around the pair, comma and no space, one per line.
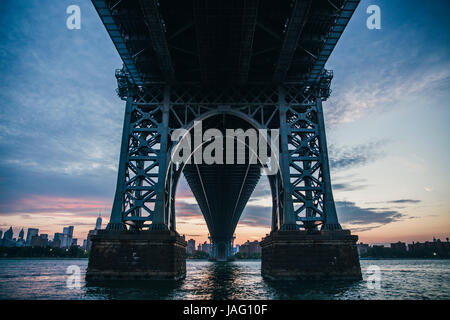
(48,279)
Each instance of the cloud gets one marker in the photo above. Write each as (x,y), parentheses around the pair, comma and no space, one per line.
(60,120)
(405,201)
(351,214)
(399,201)
(48,205)
(184,209)
(347,186)
(256,216)
(349,157)
(397,66)
(368,95)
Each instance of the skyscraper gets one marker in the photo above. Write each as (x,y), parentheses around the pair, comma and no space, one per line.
(8,239)
(8,234)
(68,234)
(58,239)
(68,231)
(20,241)
(98,224)
(190,246)
(30,233)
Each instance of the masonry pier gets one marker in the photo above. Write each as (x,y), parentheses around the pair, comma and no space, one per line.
(299,255)
(143,255)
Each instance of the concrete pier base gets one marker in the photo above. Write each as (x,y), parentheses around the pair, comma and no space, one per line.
(297,255)
(144,255)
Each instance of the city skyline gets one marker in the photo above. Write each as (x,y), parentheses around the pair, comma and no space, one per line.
(386,125)
(197,240)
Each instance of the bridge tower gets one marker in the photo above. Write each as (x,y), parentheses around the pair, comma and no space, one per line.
(251,65)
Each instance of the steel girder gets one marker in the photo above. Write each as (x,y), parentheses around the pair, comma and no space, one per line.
(220,42)
(293,33)
(147,179)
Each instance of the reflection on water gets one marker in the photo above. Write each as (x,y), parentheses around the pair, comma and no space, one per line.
(220,281)
(307,289)
(126,290)
(46,279)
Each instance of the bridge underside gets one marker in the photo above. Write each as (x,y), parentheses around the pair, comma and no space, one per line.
(224,42)
(231,64)
(222,190)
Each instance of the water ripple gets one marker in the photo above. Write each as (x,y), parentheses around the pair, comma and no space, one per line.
(401,279)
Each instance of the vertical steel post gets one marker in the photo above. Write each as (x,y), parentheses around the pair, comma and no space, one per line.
(160,218)
(289,220)
(331,219)
(273,181)
(116,220)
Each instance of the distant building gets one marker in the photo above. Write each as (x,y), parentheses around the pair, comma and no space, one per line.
(21,234)
(88,240)
(84,247)
(437,248)
(39,241)
(1,233)
(8,234)
(74,242)
(66,237)
(378,249)
(58,240)
(250,248)
(20,243)
(56,243)
(190,246)
(8,240)
(30,233)
(398,247)
(68,230)
(98,223)
(205,247)
(362,248)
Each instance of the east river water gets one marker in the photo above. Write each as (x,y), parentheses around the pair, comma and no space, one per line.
(58,279)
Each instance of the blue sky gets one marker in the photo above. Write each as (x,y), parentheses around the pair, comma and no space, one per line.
(387,123)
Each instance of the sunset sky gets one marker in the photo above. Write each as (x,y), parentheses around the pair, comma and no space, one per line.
(387,125)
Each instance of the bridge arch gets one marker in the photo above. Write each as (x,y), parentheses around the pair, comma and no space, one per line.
(173,174)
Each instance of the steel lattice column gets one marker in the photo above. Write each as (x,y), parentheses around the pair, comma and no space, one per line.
(140,194)
(308,197)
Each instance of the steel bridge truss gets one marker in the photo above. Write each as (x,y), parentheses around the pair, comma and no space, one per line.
(147,179)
